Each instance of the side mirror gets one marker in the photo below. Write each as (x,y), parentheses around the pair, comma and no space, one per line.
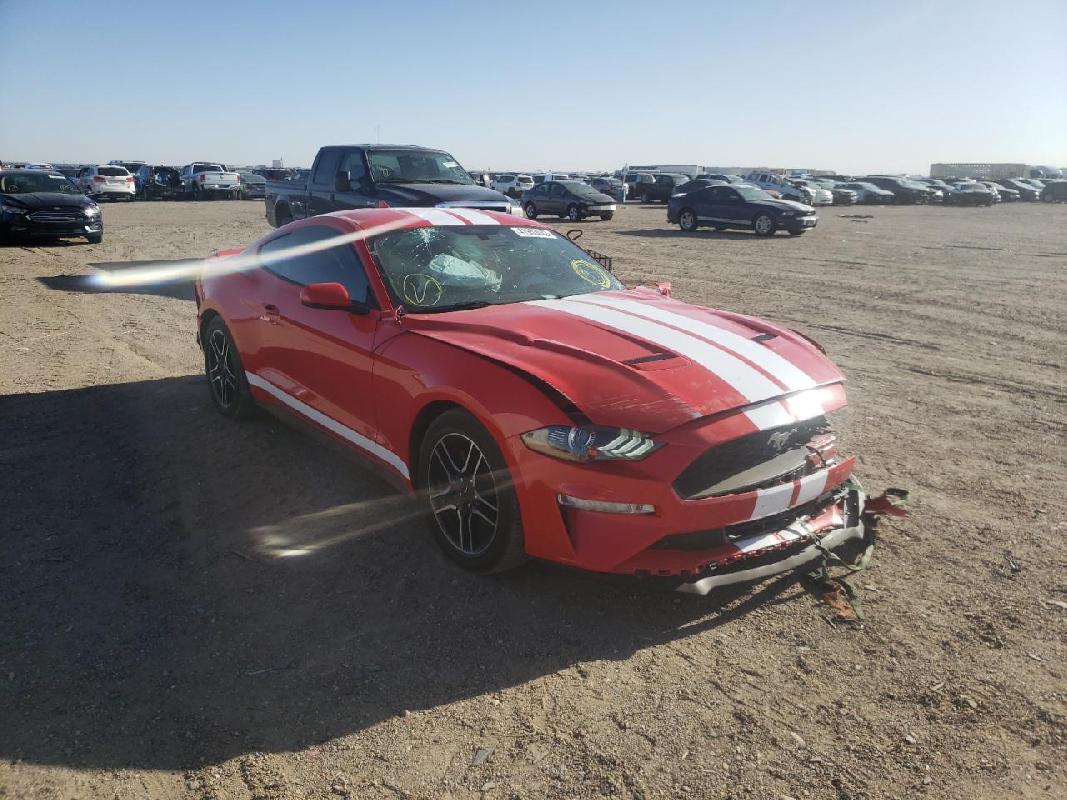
(341,182)
(326,295)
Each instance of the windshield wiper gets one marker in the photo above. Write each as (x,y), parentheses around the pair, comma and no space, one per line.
(455,307)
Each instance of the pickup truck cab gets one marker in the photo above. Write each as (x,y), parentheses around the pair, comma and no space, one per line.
(772,182)
(205,181)
(346,177)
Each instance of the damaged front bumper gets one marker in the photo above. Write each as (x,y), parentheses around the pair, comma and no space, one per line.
(854,526)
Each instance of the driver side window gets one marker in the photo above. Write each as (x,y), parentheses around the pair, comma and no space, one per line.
(338,264)
(352,163)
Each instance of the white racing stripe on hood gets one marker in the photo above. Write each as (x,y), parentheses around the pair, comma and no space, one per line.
(751,384)
(782,370)
(473,216)
(435,216)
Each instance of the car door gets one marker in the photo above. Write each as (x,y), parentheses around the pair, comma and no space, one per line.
(553,198)
(320,358)
(717,205)
(322,183)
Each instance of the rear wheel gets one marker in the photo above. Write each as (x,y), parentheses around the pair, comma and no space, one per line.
(197,193)
(282,217)
(531,211)
(573,213)
(764,225)
(225,374)
(687,220)
(467,483)
(608,215)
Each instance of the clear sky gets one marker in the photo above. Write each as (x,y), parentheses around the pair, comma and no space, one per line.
(855,86)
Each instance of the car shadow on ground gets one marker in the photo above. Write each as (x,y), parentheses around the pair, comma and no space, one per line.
(179,289)
(179,589)
(702,233)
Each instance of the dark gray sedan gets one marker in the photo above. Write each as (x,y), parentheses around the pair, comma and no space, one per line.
(571,200)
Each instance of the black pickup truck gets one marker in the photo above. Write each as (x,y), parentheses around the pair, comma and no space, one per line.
(375,176)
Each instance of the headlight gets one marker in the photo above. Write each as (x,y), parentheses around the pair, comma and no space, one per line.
(92,211)
(789,213)
(590,443)
(9,209)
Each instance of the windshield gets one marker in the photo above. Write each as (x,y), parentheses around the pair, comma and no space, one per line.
(29,182)
(580,189)
(415,166)
(751,193)
(441,269)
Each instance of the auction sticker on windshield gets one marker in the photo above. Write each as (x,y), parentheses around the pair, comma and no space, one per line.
(534,233)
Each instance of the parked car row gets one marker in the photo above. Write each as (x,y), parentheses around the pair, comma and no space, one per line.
(136,180)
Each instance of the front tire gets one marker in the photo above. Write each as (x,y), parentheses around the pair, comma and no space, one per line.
(687,220)
(225,374)
(764,225)
(94,238)
(607,216)
(473,507)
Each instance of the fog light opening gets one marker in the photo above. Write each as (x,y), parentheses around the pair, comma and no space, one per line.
(604,506)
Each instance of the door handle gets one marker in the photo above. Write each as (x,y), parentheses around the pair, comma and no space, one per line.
(271,314)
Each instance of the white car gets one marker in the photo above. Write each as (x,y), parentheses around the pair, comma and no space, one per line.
(205,180)
(511,184)
(822,195)
(107,180)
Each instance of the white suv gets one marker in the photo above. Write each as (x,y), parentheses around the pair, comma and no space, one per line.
(512,185)
(107,180)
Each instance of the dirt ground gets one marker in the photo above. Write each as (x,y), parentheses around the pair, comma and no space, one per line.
(153,644)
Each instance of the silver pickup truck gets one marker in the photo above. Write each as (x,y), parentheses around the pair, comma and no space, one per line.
(206,181)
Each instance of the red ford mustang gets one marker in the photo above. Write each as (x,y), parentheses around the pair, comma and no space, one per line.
(496,369)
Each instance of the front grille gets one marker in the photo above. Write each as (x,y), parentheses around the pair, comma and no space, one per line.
(731,458)
(57,216)
(716,537)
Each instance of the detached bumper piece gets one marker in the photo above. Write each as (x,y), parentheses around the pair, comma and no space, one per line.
(804,544)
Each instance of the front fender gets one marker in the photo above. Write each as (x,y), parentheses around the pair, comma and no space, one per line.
(411,372)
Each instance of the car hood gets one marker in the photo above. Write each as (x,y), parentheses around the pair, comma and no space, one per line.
(595,197)
(37,200)
(783,205)
(429,194)
(636,359)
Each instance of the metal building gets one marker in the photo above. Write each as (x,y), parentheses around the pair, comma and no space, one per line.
(983,171)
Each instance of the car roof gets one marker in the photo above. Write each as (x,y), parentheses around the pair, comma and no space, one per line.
(385,147)
(25,171)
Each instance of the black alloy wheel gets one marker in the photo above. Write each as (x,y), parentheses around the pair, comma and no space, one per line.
(473,504)
(225,375)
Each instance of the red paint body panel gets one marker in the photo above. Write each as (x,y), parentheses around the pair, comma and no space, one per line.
(633,359)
